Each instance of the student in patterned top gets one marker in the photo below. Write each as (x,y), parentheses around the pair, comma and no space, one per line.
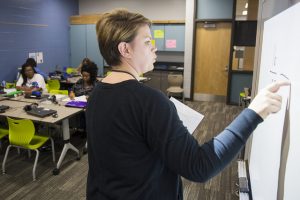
(85,85)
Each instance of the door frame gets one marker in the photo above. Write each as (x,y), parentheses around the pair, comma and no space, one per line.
(232,20)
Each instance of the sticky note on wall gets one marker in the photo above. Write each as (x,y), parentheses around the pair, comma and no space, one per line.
(159,33)
(153,43)
(171,44)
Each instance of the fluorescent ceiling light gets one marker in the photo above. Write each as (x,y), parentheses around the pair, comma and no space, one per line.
(245,12)
(246,6)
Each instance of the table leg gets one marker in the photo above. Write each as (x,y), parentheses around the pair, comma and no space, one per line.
(67,146)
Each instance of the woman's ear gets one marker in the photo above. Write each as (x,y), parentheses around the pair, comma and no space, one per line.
(124,49)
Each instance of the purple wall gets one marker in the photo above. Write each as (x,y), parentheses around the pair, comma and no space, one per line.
(34,26)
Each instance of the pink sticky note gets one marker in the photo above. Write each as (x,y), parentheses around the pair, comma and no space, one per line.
(171,44)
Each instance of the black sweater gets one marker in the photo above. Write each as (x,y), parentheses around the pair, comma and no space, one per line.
(138,147)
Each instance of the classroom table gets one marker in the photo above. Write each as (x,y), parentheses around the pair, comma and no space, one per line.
(64,113)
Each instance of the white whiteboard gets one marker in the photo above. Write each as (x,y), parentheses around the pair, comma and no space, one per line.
(274,163)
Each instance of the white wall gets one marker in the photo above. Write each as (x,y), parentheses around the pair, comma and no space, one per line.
(152,9)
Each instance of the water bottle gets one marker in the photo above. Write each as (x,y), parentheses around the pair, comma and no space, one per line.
(2,87)
(71,95)
(3,84)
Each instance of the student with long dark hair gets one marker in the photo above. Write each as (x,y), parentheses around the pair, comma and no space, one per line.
(33,63)
(30,80)
(85,61)
(85,85)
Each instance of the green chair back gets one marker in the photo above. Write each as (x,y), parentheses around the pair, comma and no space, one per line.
(242,94)
(53,84)
(21,134)
(21,131)
(71,70)
(10,85)
(63,92)
(3,132)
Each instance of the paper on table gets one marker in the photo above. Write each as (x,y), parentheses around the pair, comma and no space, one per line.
(60,97)
(9,90)
(80,98)
(188,116)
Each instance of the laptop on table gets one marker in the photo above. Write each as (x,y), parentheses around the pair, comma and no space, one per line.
(41,112)
(3,108)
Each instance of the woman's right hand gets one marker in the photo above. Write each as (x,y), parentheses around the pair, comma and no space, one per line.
(267,101)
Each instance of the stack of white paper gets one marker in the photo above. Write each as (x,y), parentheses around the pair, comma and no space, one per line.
(80,98)
(188,116)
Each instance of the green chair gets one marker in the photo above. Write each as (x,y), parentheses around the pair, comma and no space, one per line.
(53,86)
(63,92)
(3,133)
(10,85)
(22,135)
(242,95)
(244,99)
(71,71)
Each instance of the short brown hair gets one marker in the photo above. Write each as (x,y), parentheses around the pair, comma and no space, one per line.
(115,27)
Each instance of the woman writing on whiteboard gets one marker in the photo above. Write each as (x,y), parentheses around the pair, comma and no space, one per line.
(138,147)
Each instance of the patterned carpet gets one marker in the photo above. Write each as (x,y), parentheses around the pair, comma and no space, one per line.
(223,186)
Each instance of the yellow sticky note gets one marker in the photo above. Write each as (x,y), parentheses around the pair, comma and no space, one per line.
(153,43)
(159,33)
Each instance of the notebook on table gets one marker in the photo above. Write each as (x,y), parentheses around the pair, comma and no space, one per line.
(76,104)
(41,112)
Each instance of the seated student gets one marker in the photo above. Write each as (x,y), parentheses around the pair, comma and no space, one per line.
(85,85)
(30,80)
(85,61)
(33,63)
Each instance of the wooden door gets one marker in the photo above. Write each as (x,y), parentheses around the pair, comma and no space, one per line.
(212,60)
